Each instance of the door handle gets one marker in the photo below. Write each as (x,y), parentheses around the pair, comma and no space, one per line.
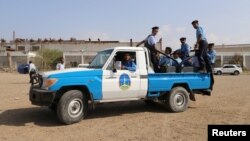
(133,76)
(111,77)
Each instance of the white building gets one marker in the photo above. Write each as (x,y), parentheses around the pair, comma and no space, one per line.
(74,51)
(225,53)
(81,51)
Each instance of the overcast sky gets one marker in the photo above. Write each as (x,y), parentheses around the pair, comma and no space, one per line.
(225,21)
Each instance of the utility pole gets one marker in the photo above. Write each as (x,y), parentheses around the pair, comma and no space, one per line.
(14,39)
(14,35)
(9,60)
(82,51)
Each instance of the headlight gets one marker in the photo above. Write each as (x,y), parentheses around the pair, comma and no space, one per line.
(49,82)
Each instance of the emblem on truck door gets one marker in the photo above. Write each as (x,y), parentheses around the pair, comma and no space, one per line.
(124,81)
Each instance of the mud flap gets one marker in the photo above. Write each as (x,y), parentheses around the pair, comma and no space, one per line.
(212,81)
(192,96)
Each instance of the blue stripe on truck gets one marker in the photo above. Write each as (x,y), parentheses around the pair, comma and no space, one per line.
(92,79)
(165,81)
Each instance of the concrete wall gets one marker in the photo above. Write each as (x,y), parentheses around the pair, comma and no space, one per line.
(77,51)
(16,57)
(17,60)
(228,51)
(3,61)
(247,59)
(72,61)
(83,51)
(73,46)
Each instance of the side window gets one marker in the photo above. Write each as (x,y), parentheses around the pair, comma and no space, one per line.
(123,61)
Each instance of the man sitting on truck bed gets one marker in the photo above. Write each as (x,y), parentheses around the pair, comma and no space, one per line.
(127,63)
(165,61)
(176,56)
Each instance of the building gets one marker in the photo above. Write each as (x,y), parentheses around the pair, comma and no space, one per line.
(82,51)
(227,53)
(74,51)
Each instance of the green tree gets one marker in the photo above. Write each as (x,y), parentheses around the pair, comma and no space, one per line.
(47,58)
(237,59)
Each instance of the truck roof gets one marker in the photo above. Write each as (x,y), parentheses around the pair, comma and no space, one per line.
(128,48)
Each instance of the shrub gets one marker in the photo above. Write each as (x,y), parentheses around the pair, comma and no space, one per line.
(46,59)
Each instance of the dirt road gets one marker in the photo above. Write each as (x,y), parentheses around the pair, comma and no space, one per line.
(129,121)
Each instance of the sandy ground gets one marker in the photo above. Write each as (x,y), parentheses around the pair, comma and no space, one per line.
(129,121)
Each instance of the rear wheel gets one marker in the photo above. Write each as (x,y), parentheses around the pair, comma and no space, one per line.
(236,72)
(177,100)
(72,107)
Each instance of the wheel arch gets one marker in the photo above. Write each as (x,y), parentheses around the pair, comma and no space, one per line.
(184,85)
(219,71)
(83,88)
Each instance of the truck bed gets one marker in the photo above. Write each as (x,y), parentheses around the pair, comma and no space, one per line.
(162,82)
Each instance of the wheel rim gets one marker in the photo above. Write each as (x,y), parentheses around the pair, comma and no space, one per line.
(75,108)
(179,99)
(236,73)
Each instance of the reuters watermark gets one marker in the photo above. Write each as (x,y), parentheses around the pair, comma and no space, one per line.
(236,132)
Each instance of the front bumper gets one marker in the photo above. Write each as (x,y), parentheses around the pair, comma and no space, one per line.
(41,97)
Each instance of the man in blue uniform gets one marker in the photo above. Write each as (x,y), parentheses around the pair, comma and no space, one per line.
(127,63)
(176,56)
(150,43)
(185,49)
(165,61)
(201,44)
(211,54)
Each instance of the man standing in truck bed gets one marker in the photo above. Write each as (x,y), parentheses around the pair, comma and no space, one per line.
(201,44)
(150,43)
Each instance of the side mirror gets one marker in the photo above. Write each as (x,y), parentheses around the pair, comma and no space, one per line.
(114,70)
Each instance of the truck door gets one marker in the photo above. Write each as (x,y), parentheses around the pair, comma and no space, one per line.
(124,83)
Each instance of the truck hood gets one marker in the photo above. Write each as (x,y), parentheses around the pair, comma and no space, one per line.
(73,72)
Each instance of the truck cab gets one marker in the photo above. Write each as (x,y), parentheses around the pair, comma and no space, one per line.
(69,92)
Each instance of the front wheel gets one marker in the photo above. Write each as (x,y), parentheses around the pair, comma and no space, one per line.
(72,107)
(177,100)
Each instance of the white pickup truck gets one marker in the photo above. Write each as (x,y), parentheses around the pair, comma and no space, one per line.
(69,92)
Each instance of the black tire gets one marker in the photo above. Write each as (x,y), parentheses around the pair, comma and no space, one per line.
(236,72)
(177,100)
(219,73)
(53,107)
(72,107)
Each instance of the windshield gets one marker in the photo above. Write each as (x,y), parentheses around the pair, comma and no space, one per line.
(100,59)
